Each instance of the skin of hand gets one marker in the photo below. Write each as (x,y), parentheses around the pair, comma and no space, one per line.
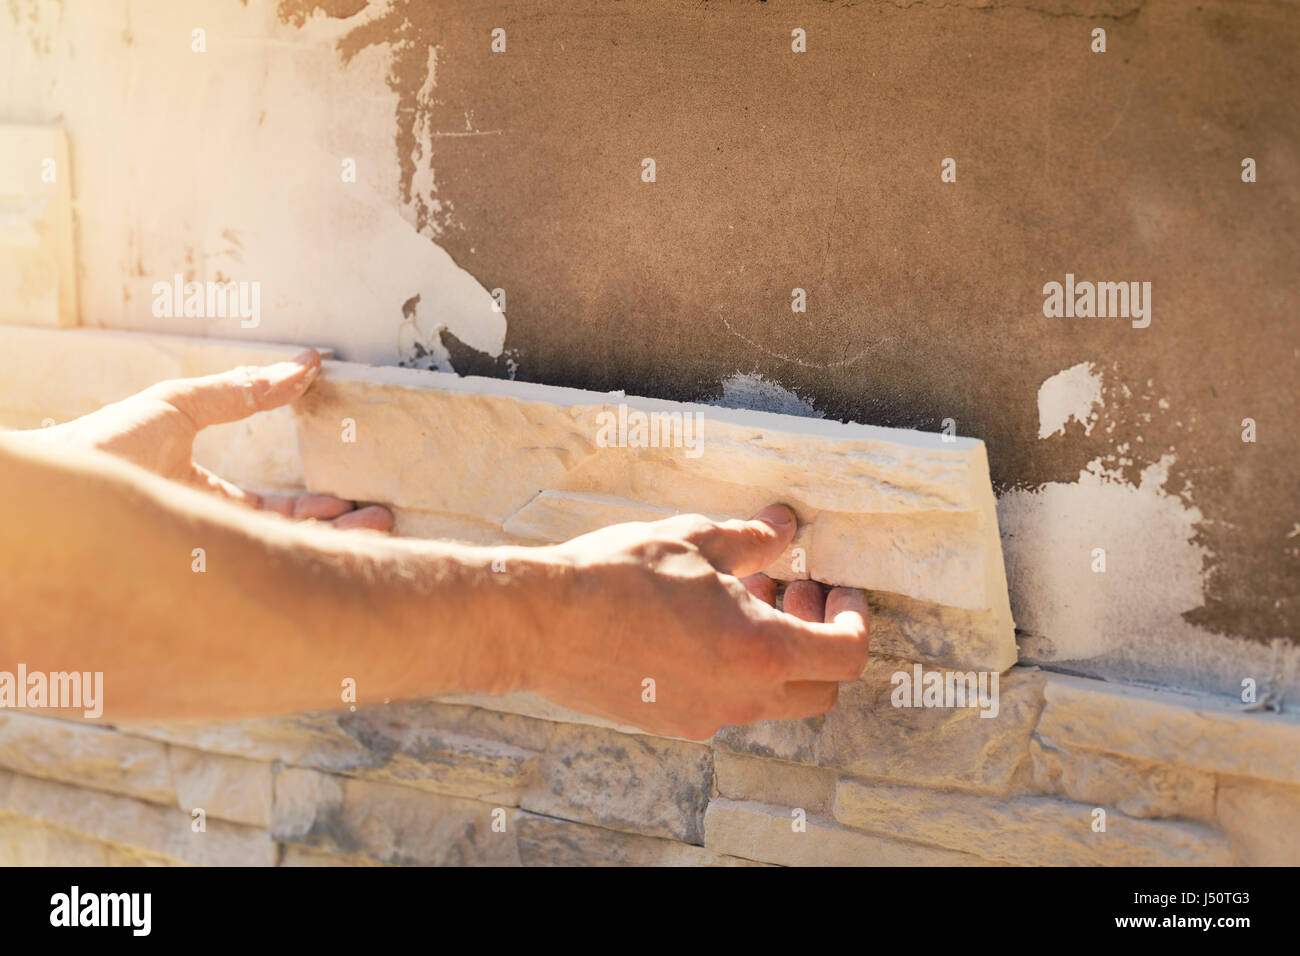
(683,602)
(156,428)
(95,575)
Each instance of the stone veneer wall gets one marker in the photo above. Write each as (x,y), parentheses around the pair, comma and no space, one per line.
(1183,780)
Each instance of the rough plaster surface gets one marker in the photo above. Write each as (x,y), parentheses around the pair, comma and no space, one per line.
(38,282)
(1071,394)
(221,165)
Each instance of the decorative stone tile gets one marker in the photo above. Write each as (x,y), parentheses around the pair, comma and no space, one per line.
(1025,831)
(85,754)
(1133,787)
(387,823)
(546,841)
(867,736)
(1261,819)
(1204,733)
(38,279)
(783,784)
(641,784)
(757,831)
(163,831)
(228,788)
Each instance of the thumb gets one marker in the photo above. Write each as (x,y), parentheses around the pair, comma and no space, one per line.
(743,548)
(240,392)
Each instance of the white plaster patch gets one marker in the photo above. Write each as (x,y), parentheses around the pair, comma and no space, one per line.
(1153,568)
(750,390)
(231,169)
(1072,394)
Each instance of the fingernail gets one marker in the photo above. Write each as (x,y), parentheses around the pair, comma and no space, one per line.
(778,516)
(306,357)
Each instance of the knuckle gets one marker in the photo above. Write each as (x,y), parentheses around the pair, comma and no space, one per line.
(693,524)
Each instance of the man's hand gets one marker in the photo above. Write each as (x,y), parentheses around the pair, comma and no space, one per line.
(681,601)
(156,428)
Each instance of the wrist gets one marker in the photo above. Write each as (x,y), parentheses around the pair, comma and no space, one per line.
(523,592)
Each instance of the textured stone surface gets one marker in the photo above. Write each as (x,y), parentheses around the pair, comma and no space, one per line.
(888,510)
(866,736)
(38,279)
(738,777)
(1201,732)
(163,831)
(61,374)
(641,784)
(757,831)
(446,748)
(1261,819)
(228,788)
(293,854)
(25,841)
(546,841)
(85,754)
(1026,831)
(901,513)
(387,823)
(1134,787)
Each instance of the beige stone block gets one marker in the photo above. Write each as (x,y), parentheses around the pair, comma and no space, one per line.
(1261,819)
(902,514)
(28,842)
(313,739)
(760,780)
(293,854)
(1134,787)
(757,831)
(228,788)
(523,704)
(1025,831)
(441,760)
(641,784)
(38,277)
(164,831)
(388,823)
(445,748)
(1205,733)
(867,736)
(546,841)
(885,509)
(82,753)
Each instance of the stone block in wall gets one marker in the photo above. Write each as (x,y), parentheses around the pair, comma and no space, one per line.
(38,277)
(85,754)
(1025,831)
(387,822)
(295,854)
(1261,819)
(893,511)
(547,841)
(28,842)
(758,831)
(1204,733)
(638,783)
(224,787)
(445,748)
(759,780)
(867,736)
(62,374)
(164,831)
(1136,788)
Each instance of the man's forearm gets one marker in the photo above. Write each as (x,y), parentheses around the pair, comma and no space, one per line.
(193,607)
